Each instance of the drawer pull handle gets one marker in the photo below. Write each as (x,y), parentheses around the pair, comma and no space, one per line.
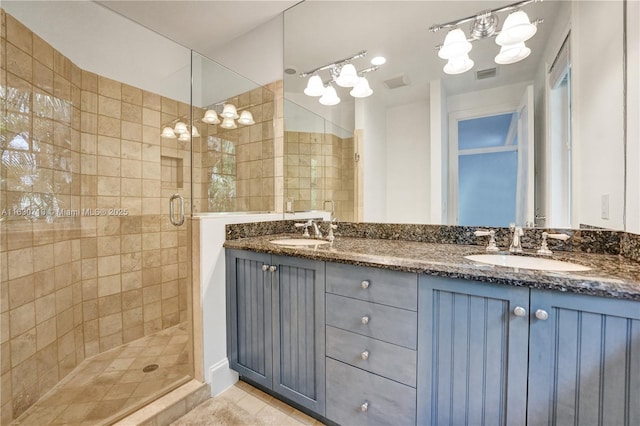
(365,355)
(364,407)
(365,284)
(519,311)
(365,320)
(542,315)
(265,268)
(273,268)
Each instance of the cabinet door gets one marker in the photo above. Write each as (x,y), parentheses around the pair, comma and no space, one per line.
(584,360)
(299,335)
(249,339)
(472,353)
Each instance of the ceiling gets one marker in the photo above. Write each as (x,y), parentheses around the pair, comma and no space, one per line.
(318,32)
(203,26)
(321,31)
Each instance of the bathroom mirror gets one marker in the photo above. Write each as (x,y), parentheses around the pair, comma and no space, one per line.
(409,132)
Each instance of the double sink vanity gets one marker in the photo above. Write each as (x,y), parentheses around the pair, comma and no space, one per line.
(403,325)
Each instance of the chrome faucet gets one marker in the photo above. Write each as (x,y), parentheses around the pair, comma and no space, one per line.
(306,225)
(516,245)
(316,229)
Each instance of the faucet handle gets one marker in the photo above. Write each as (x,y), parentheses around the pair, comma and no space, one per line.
(491,247)
(304,225)
(544,248)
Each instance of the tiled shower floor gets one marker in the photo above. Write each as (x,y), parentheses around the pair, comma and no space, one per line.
(112,384)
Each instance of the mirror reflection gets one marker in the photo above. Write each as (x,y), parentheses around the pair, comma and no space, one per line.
(513,138)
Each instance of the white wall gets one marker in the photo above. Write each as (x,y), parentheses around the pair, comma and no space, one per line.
(213,292)
(258,54)
(438,152)
(633,117)
(503,95)
(598,110)
(408,163)
(370,115)
(101,41)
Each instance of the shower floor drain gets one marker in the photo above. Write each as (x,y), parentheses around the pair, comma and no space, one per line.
(149,368)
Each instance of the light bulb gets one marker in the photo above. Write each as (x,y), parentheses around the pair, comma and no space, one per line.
(455,45)
(228,123)
(516,29)
(314,86)
(168,133)
(180,128)
(330,96)
(362,89)
(194,132)
(512,53)
(184,137)
(211,117)
(458,65)
(348,76)
(229,111)
(246,118)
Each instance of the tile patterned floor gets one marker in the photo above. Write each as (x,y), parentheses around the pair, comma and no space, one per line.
(106,386)
(241,405)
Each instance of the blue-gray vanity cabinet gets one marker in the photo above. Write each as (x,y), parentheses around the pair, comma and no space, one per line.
(584,360)
(275,320)
(496,354)
(472,352)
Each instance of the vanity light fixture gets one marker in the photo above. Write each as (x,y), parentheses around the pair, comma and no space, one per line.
(344,74)
(228,113)
(516,30)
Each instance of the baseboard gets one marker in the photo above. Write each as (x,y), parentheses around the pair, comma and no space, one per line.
(221,377)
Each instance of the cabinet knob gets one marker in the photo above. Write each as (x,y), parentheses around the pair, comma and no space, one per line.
(272,268)
(364,407)
(365,320)
(542,315)
(364,355)
(265,268)
(519,311)
(365,284)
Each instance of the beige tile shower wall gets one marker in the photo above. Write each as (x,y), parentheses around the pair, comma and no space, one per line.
(320,167)
(255,150)
(102,266)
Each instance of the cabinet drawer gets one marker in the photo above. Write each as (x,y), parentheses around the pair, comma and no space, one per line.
(348,388)
(393,288)
(393,325)
(387,360)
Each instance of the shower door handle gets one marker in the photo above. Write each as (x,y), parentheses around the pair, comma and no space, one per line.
(172,216)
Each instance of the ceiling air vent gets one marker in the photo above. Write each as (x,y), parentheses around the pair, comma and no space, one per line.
(394,83)
(488,73)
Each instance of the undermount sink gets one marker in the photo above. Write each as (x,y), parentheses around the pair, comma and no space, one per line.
(298,242)
(525,262)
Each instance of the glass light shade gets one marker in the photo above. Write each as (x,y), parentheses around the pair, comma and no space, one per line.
(180,128)
(455,45)
(330,96)
(168,133)
(194,132)
(516,29)
(228,123)
(229,111)
(211,117)
(246,118)
(362,89)
(348,76)
(314,86)
(184,137)
(512,53)
(458,65)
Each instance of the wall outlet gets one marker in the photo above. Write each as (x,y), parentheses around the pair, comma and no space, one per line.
(604,206)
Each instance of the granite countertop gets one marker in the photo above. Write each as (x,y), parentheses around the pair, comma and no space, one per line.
(610,275)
